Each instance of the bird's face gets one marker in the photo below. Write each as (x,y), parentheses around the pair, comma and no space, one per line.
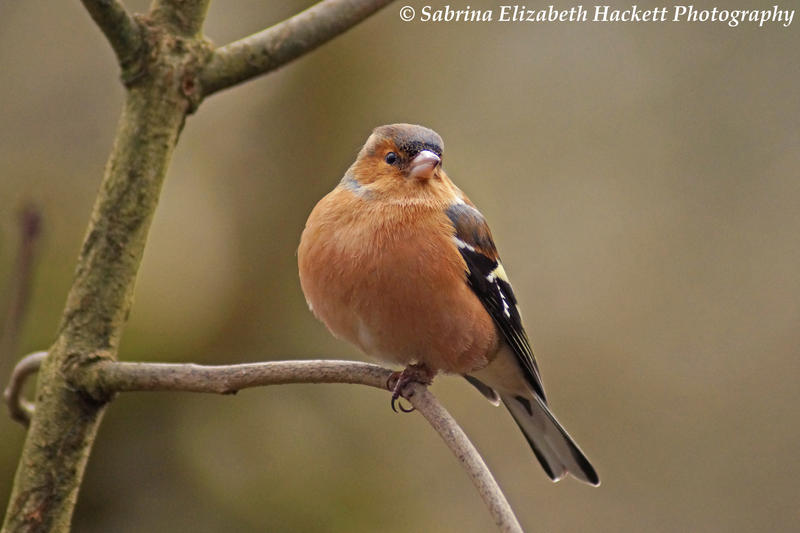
(401,161)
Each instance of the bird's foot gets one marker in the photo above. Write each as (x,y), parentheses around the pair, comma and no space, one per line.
(398,383)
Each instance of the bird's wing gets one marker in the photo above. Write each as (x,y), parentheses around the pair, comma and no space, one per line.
(487,278)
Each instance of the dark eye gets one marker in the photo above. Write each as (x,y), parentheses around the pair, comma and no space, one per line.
(391,158)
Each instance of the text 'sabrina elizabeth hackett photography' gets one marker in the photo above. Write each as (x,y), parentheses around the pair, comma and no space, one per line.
(602,14)
(362,265)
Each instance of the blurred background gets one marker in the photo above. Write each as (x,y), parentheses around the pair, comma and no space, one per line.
(642,184)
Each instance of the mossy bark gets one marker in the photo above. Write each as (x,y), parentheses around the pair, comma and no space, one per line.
(63,429)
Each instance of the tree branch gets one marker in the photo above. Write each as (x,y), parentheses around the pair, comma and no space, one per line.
(20,409)
(458,442)
(119,27)
(269,49)
(105,377)
(183,17)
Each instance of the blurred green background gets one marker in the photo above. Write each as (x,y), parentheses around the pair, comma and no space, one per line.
(642,184)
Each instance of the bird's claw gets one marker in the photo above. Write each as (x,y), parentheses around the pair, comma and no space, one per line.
(396,404)
(399,381)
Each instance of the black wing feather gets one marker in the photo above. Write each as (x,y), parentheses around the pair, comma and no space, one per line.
(480,254)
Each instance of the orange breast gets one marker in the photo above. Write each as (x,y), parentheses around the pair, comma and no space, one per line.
(394,284)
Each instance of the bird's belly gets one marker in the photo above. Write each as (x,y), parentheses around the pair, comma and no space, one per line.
(403,304)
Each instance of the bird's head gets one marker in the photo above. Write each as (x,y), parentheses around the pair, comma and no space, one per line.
(400,159)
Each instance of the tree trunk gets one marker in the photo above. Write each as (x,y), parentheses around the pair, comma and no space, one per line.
(61,434)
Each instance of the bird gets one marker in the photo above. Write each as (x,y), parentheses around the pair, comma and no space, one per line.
(400,263)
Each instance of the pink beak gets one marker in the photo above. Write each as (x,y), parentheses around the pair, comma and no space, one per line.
(423,166)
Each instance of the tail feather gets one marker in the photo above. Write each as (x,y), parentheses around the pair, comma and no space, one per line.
(554,448)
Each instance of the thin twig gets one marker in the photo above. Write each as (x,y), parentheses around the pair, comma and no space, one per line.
(269,49)
(120,28)
(19,408)
(30,221)
(445,425)
(106,377)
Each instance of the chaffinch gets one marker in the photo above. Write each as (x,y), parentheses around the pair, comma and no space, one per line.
(399,262)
